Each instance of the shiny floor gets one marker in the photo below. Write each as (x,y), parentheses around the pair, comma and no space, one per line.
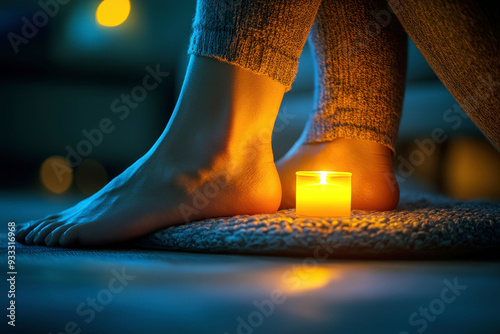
(142,291)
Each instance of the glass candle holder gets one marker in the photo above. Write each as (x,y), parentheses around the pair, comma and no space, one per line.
(323,194)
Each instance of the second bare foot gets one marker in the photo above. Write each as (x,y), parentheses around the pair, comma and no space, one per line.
(374,186)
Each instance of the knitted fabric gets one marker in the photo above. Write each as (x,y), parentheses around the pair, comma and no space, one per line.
(423,226)
(360,52)
(264,36)
(360,55)
(459,40)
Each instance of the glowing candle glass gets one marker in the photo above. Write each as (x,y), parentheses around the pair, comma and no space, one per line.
(323,194)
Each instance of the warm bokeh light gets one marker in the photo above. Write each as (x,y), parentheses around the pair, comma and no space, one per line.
(112,13)
(471,169)
(90,176)
(56,174)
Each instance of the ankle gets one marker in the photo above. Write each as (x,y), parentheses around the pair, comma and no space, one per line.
(224,105)
(229,92)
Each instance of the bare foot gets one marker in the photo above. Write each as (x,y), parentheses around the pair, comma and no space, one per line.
(213,159)
(374,186)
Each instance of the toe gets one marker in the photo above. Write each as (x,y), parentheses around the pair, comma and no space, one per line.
(70,237)
(52,239)
(42,234)
(34,231)
(23,231)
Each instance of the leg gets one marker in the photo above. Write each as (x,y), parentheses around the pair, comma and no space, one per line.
(459,40)
(360,53)
(214,157)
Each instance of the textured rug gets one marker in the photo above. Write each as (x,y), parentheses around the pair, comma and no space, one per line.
(423,226)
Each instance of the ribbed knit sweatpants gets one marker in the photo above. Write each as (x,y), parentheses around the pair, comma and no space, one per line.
(460,41)
(360,54)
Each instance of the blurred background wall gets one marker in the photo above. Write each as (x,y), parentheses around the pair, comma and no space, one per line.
(65,78)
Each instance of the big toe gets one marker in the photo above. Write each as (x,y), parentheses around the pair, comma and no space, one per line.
(70,237)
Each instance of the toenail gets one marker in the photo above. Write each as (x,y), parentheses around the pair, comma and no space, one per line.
(48,238)
(29,235)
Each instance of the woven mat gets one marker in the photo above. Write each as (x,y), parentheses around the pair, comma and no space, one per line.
(423,226)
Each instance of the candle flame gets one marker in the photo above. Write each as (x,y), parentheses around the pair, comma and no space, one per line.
(322,178)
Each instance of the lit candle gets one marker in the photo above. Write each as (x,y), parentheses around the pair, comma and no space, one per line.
(323,194)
